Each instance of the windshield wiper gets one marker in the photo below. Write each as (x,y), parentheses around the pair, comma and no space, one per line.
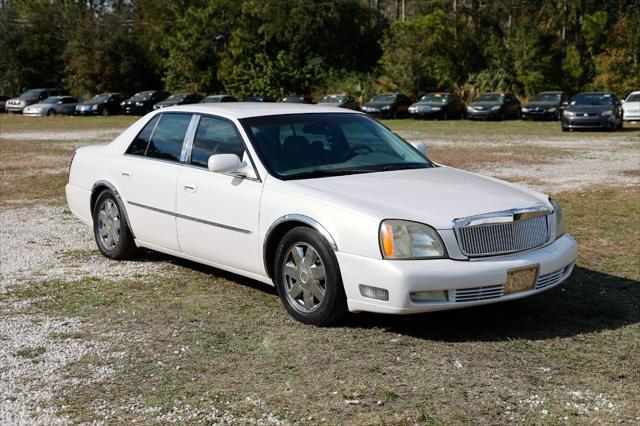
(327,173)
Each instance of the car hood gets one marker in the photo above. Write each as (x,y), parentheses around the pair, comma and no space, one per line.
(485,104)
(435,196)
(378,104)
(431,104)
(589,108)
(167,103)
(631,105)
(543,105)
(36,106)
(93,103)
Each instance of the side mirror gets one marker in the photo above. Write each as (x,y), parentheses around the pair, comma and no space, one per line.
(224,163)
(420,146)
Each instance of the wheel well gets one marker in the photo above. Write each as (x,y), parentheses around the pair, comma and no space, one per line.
(274,238)
(97,190)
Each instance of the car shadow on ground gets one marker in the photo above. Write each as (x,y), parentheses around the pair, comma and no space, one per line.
(590,301)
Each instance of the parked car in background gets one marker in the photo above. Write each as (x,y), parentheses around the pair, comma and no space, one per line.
(341,101)
(331,207)
(258,99)
(179,99)
(212,99)
(30,97)
(143,102)
(3,102)
(438,105)
(545,106)
(53,105)
(298,99)
(103,104)
(388,105)
(631,107)
(593,110)
(494,105)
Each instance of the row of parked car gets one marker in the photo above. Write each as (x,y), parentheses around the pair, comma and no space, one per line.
(585,110)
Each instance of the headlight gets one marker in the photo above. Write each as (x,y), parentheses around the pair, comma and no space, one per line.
(557,211)
(94,107)
(568,113)
(525,109)
(436,108)
(403,239)
(139,103)
(495,108)
(122,103)
(551,109)
(470,108)
(606,113)
(386,107)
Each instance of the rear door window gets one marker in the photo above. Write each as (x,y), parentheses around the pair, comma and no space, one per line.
(166,141)
(140,143)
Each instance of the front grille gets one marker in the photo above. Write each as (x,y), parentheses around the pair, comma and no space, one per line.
(501,238)
(489,292)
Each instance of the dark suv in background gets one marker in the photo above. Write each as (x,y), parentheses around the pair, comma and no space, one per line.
(103,104)
(31,97)
(143,102)
(593,110)
(388,105)
(545,106)
(494,105)
(179,99)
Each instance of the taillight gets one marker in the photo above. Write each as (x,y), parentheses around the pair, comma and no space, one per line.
(70,163)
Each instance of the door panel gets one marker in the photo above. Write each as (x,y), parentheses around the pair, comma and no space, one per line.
(218,218)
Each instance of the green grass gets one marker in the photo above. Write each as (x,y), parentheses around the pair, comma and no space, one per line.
(19,123)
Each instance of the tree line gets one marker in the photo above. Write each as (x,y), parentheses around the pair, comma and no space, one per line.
(360,47)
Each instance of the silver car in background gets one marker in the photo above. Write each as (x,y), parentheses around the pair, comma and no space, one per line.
(53,105)
(30,97)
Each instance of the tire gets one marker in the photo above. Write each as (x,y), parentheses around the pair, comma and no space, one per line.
(104,112)
(564,129)
(445,116)
(503,116)
(51,112)
(320,301)
(111,229)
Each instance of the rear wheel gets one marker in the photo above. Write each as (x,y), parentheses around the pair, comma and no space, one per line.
(110,228)
(308,278)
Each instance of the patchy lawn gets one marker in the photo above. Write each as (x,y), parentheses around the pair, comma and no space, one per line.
(190,343)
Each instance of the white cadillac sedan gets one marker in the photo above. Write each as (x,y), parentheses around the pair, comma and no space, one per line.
(328,205)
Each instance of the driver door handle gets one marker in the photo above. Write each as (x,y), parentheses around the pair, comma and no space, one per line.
(190,187)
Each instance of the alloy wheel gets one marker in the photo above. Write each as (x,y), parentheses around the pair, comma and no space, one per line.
(304,278)
(109,224)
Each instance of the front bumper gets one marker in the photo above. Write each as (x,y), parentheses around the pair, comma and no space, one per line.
(539,115)
(631,115)
(34,113)
(468,282)
(135,110)
(426,113)
(473,114)
(592,122)
(86,111)
(15,108)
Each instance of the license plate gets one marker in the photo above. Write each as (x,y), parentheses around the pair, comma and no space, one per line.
(521,279)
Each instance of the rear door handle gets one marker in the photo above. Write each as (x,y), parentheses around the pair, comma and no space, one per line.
(190,187)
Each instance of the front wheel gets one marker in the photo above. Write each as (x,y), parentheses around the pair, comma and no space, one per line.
(105,111)
(110,228)
(51,112)
(308,278)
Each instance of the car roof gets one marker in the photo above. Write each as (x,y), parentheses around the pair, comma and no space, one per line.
(255,109)
(595,93)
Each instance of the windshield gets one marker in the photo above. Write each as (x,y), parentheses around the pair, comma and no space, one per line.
(142,96)
(384,98)
(50,100)
(491,97)
(332,99)
(30,94)
(176,98)
(435,97)
(593,99)
(100,98)
(546,97)
(299,146)
(212,99)
(633,98)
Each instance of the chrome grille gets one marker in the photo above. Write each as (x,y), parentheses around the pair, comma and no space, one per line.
(501,238)
(478,293)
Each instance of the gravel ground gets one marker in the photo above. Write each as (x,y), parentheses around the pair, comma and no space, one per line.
(593,162)
(42,242)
